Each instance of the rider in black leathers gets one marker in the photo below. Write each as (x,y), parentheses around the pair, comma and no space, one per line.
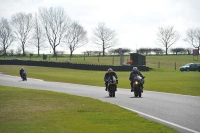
(21,72)
(135,72)
(110,73)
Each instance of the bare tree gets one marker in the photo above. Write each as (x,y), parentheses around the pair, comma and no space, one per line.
(18,51)
(145,51)
(189,51)
(157,51)
(76,37)
(88,53)
(178,50)
(56,23)
(197,38)
(38,35)
(6,35)
(22,24)
(193,37)
(116,51)
(104,37)
(167,36)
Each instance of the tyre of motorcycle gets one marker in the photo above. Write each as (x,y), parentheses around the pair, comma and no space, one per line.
(111,90)
(24,78)
(137,91)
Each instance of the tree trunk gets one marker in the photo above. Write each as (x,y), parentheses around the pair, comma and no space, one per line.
(4,51)
(38,47)
(71,53)
(23,50)
(103,48)
(38,52)
(54,51)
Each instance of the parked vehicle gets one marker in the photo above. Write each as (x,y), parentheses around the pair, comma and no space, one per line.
(138,84)
(112,86)
(189,67)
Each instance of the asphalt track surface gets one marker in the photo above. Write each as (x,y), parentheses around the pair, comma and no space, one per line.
(180,112)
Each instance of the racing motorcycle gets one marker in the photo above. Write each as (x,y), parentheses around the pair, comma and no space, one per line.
(138,82)
(112,85)
(24,76)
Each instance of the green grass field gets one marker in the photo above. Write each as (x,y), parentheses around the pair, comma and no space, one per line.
(25,110)
(151,60)
(34,111)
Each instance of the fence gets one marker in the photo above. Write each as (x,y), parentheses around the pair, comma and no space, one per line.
(71,65)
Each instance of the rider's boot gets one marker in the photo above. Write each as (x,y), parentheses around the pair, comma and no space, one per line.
(106,86)
(142,88)
(132,89)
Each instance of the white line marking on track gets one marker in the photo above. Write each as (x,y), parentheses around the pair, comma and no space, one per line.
(173,124)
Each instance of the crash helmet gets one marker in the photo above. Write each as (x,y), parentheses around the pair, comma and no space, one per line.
(135,69)
(110,70)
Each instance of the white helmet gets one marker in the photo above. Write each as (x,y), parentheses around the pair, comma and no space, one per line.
(135,69)
(110,70)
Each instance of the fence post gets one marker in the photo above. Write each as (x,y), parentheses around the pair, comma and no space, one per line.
(113,61)
(175,65)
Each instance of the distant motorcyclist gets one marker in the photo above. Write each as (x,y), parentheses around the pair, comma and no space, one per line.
(21,72)
(134,73)
(108,75)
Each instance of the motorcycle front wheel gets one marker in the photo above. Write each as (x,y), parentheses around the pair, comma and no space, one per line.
(137,91)
(111,91)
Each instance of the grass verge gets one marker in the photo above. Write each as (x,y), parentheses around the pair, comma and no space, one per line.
(36,111)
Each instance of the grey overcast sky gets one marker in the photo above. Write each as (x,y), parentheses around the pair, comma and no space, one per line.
(135,21)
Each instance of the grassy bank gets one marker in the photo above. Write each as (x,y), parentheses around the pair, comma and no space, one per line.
(34,111)
(153,61)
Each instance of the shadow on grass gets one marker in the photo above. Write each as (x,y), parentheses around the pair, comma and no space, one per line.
(151,69)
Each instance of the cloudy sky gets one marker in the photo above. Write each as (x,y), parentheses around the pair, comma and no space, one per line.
(135,21)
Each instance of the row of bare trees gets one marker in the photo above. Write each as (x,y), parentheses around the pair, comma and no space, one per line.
(53,25)
(159,51)
(112,51)
(193,37)
(167,36)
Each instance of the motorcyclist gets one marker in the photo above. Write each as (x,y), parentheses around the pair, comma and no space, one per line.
(109,74)
(21,71)
(134,73)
